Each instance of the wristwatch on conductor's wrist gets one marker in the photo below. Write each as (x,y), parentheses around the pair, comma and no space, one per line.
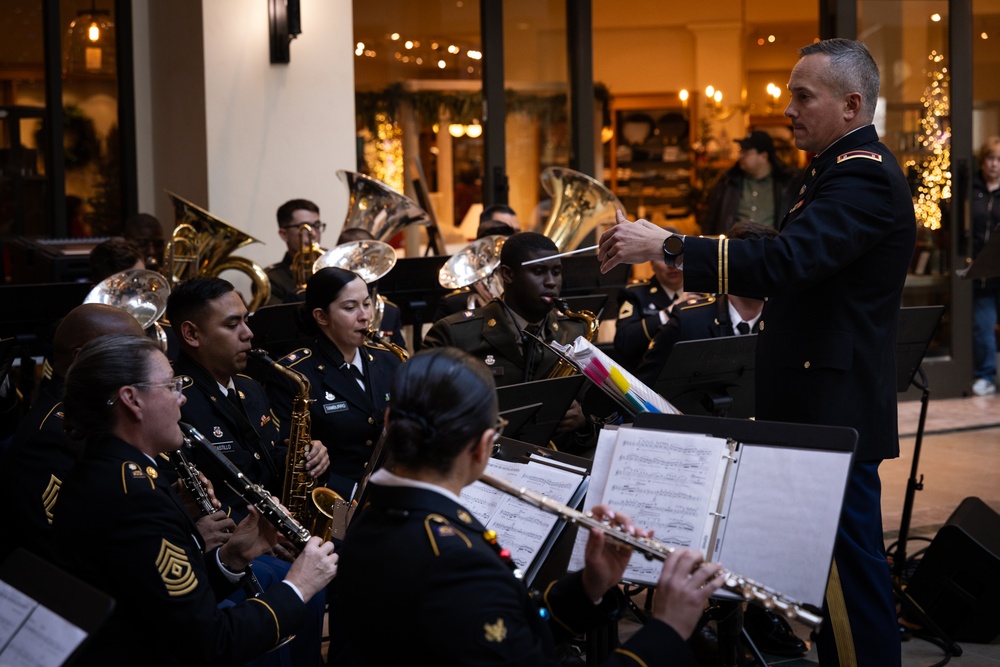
(673,247)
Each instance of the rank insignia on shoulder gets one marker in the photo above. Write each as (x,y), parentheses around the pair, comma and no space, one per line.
(495,632)
(296,356)
(132,470)
(438,527)
(329,396)
(217,431)
(850,155)
(625,311)
(264,419)
(50,495)
(175,570)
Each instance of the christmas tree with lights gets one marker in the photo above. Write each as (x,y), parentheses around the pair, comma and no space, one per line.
(934,184)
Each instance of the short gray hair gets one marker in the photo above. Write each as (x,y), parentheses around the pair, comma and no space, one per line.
(852,69)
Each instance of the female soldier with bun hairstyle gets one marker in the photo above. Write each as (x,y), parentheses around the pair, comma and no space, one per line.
(420,563)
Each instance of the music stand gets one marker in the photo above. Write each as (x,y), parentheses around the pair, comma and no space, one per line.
(913,336)
(413,286)
(73,602)
(518,418)
(711,377)
(278,329)
(582,276)
(555,395)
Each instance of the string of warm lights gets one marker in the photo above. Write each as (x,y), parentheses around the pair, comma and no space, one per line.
(388,163)
(935,174)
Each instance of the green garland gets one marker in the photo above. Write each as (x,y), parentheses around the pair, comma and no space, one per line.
(461,106)
(80,143)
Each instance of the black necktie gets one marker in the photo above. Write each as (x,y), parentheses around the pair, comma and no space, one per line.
(234,399)
(742,328)
(355,373)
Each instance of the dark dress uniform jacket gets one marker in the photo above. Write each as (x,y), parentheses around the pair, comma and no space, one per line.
(248,437)
(708,318)
(121,528)
(834,277)
(454,599)
(344,418)
(487,333)
(32,472)
(639,320)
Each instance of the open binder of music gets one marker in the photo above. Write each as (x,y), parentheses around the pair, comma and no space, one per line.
(45,613)
(761,498)
(527,532)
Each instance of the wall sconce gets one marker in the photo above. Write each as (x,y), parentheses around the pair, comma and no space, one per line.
(286,24)
(774,92)
(90,45)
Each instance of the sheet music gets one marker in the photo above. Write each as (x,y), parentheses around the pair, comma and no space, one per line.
(33,635)
(483,500)
(667,482)
(521,528)
(598,478)
(783,518)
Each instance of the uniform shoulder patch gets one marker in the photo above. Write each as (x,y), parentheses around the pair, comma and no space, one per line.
(850,155)
(626,310)
(438,529)
(175,569)
(133,471)
(706,301)
(495,632)
(295,357)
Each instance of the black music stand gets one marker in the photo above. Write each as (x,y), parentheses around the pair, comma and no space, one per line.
(278,329)
(519,418)
(582,276)
(555,396)
(413,286)
(711,377)
(913,336)
(73,601)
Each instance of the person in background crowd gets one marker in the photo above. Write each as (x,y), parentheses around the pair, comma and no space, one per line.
(985,291)
(114,256)
(146,232)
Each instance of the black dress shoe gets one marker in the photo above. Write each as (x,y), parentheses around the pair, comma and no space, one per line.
(771,633)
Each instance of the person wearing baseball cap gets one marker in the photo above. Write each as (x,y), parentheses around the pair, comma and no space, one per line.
(757,188)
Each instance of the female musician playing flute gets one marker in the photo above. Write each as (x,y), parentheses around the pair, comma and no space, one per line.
(417,561)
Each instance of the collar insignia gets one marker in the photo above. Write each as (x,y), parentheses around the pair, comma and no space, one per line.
(151,471)
(217,431)
(491,322)
(329,396)
(813,173)
(464,516)
(802,190)
(654,290)
(243,396)
(495,632)
(555,326)
(490,360)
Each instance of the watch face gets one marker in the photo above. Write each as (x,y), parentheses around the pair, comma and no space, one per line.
(673,245)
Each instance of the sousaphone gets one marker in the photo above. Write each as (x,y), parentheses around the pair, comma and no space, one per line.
(475,266)
(378,208)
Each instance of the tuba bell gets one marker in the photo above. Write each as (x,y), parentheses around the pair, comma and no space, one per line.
(474,266)
(201,245)
(140,293)
(378,208)
(579,204)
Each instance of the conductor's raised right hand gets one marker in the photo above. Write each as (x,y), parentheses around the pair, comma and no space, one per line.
(315,567)
(686,582)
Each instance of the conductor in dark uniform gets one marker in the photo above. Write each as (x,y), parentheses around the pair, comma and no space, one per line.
(495,333)
(122,396)
(349,379)
(826,348)
(455,597)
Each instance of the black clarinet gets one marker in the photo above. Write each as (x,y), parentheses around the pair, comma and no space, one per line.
(253,494)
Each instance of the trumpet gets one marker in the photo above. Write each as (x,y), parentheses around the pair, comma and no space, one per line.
(748,589)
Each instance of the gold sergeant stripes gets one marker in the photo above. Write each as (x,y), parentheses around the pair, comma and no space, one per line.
(175,570)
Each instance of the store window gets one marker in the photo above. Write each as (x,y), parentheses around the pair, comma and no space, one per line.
(909,41)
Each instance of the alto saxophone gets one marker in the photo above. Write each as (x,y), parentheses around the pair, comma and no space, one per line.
(748,589)
(563,368)
(321,510)
(381,341)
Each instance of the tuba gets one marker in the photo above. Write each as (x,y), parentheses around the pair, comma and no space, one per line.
(141,293)
(305,259)
(579,204)
(370,260)
(474,266)
(201,245)
(378,208)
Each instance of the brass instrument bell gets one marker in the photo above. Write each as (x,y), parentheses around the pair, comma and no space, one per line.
(475,265)
(376,207)
(139,292)
(579,204)
(369,259)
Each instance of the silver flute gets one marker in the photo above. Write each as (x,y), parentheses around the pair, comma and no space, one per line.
(748,589)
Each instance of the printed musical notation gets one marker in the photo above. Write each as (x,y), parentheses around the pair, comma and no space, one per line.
(521,528)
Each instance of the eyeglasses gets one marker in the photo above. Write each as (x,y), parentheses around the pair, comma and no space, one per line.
(498,431)
(175,385)
(315,226)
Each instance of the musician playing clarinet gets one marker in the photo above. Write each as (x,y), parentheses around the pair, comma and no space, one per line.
(455,598)
(122,397)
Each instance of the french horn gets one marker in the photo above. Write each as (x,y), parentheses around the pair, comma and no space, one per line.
(376,207)
(475,266)
(579,204)
(370,260)
(140,293)
(201,245)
